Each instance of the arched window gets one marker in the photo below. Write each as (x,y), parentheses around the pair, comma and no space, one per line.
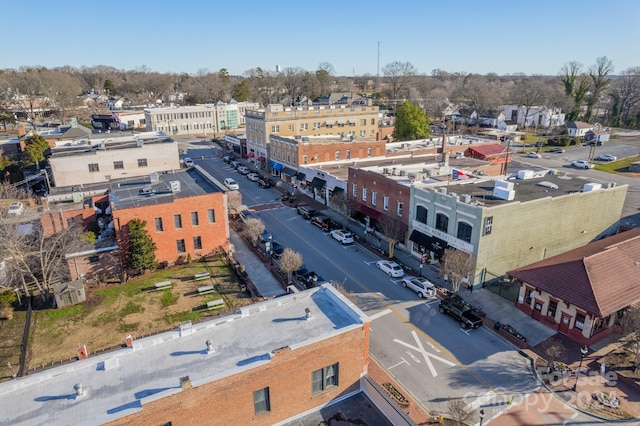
(464,231)
(421,214)
(442,222)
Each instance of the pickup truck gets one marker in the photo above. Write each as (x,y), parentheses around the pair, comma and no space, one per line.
(460,311)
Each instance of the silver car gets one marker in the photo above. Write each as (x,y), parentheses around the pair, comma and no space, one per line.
(422,286)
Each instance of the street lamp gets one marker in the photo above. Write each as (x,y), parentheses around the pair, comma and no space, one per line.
(583,352)
(481,416)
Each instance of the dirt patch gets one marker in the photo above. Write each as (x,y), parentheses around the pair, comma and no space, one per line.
(112,312)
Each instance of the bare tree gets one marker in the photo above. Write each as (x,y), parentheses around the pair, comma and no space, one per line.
(527,93)
(324,75)
(631,323)
(292,79)
(253,228)
(345,206)
(394,230)
(460,410)
(63,92)
(625,96)
(599,73)
(289,262)
(575,85)
(398,75)
(458,266)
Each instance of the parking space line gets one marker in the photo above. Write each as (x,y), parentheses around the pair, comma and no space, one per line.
(379,314)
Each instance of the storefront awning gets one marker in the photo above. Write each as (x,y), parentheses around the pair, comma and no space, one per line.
(318,183)
(337,190)
(352,121)
(329,122)
(301,177)
(275,166)
(372,213)
(288,171)
(436,245)
(341,121)
(261,158)
(250,154)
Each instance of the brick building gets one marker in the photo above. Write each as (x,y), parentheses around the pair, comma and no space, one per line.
(267,364)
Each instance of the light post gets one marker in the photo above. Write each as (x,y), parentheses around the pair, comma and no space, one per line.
(583,352)
(481,416)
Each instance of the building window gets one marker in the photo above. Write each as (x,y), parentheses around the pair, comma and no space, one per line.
(212,215)
(363,121)
(158,221)
(421,214)
(305,159)
(368,152)
(354,188)
(363,133)
(374,198)
(348,155)
(364,194)
(337,155)
(304,127)
(385,204)
(93,167)
(118,165)
(464,231)
(261,402)
(181,247)
(194,219)
(325,378)
(373,121)
(316,125)
(275,129)
(142,162)
(580,318)
(553,307)
(197,243)
(400,208)
(488,224)
(442,222)
(177,221)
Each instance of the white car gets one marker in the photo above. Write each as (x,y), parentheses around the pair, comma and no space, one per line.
(188,162)
(15,209)
(342,235)
(390,268)
(534,155)
(582,164)
(231,184)
(253,177)
(422,286)
(244,170)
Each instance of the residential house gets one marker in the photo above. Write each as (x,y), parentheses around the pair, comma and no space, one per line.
(114,103)
(534,116)
(583,293)
(578,129)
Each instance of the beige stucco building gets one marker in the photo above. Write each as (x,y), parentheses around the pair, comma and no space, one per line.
(521,222)
(84,162)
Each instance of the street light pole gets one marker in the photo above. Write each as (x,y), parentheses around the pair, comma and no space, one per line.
(583,352)
(481,416)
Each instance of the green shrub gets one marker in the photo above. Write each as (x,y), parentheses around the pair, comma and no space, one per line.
(168,299)
(131,308)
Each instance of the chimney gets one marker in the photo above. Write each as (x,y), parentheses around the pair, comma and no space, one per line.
(307,313)
(128,341)
(21,131)
(210,347)
(78,388)
(185,382)
(82,352)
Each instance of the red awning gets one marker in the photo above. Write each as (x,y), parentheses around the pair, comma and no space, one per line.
(372,213)
(250,154)
(261,159)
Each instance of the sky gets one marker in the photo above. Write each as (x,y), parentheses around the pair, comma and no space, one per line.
(355,36)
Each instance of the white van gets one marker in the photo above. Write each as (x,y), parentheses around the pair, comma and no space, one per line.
(231,184)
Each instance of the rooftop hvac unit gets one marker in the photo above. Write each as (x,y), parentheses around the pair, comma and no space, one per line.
(591,187)
(174,186)
(385,171)
(465,198)
(154,177)
(503,185)
(525,174)
(442,190)
(504,194)
(403,173)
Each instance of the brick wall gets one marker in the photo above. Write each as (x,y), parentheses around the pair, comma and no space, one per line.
(229,401)
(327,151)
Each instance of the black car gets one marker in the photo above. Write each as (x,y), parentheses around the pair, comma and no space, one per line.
(306,211)
(276,249)
(311,279)
(264,183)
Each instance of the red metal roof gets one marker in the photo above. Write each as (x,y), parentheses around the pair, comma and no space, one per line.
(487,150)
(601,277)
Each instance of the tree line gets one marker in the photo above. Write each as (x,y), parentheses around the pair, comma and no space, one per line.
(591,93)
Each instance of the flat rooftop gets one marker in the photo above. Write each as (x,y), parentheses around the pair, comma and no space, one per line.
(540,186)
(117,384)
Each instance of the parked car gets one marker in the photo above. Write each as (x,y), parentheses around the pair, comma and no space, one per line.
(276,249)
(606,157)
(231,184)
(264,183)
(533,155)
(422,286)
(253,177)
(342,235)
(460,311)
(243,170)
(306,211)
(310,279)
(324,223)
(234,164)
(556,150)
(390,268)
(15,209)
(188,162)
(582,164)
(265,236)
(227,159)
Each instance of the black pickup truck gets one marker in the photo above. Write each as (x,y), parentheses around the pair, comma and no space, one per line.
(460,311)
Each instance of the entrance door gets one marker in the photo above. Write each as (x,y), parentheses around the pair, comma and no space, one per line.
(565,320)
(537,309)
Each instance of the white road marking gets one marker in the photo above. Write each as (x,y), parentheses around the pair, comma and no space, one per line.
(464,331)
(427,356)
(415,358)
(404,361)
(380,314)
(433,347)
(432,302)
(482,399)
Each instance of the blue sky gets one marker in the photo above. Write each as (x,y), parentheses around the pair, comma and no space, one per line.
(505,37)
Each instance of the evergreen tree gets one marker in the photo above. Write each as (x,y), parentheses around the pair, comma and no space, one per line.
(142,249)
(34,149)
(411,123)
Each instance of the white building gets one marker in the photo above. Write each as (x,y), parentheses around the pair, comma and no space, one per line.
(198,119)
(534,116)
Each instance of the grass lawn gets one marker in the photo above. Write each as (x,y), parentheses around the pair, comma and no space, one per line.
(619,166)
(112,311)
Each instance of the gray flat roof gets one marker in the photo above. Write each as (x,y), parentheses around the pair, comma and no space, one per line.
(118,383)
